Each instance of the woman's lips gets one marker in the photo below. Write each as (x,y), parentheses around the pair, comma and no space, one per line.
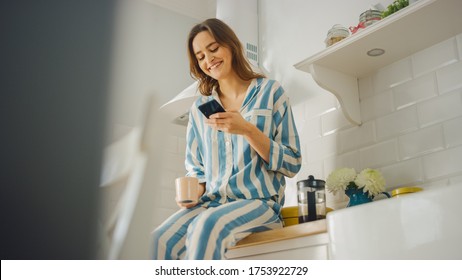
(215,65)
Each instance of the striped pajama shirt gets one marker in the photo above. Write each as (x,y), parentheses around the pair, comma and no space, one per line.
(244,194)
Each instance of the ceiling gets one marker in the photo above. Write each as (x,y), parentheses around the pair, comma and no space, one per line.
(198,9)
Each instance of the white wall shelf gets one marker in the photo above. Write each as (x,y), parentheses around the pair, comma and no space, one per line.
(412,29)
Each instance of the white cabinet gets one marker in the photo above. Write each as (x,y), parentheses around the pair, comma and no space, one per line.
(414,28)
(307,241)
(314,247)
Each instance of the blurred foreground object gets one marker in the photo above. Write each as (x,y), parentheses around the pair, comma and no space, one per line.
(55,65)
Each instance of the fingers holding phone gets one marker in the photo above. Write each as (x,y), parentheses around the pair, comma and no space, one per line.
(211,107)
(231,122)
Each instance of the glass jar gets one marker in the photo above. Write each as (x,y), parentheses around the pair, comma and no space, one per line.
(369,17)
(336,34)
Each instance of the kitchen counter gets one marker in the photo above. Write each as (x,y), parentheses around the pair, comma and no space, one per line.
(302,241)
(295,231)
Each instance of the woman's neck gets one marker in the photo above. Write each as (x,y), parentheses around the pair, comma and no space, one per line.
(233,87)
(232,92)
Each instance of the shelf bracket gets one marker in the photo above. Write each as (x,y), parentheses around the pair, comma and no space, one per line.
(343,86)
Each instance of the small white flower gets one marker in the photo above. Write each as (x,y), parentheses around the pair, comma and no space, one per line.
(339,179)
(371,180)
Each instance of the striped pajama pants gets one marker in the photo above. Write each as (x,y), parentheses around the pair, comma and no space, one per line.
(201,233)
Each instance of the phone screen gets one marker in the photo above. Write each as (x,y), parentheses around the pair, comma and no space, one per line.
(211,107)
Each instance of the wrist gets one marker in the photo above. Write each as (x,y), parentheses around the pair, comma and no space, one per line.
(249,129)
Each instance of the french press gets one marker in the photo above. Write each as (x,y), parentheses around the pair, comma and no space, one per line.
(311,200)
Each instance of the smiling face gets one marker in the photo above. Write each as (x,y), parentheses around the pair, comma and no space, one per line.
(215,60)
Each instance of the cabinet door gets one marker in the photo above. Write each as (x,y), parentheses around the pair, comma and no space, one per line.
(313,247)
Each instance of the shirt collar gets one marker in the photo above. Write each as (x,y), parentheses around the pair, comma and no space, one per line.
(252,91)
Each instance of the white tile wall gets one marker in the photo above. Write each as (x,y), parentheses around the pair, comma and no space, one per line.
(299,111)
(333,121)
(449,78)
(314,168)
(357,137)
(376,106)
(421,142)
(318,149)
(443,163)
(412,123)
(310,130)
(379,154)
(397,122)
(319,105)
(415,91)
(439,109)
(452,132)
(392,75)
(435,57)
(408,172)
(459,45)
(350,159)
(434,183)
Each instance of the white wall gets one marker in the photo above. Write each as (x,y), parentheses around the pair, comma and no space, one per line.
(411,110)
(149,58)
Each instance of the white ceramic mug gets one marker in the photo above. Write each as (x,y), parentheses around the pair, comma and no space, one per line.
(187,189)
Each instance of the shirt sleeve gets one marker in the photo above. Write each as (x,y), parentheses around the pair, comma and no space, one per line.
(193,160)
(285,155)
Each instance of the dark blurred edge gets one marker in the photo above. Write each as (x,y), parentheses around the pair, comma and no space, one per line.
(54,63)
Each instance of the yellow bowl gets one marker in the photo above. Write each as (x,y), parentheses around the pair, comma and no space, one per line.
(289,212)
(405,190)
(290,221)
(290,215)
(292,211)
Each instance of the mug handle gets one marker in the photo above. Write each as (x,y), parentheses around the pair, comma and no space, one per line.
(384,193)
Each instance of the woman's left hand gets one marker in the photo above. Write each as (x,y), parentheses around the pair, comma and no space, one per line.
(231,122)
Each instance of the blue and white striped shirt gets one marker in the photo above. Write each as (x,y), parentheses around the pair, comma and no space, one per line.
(231,168)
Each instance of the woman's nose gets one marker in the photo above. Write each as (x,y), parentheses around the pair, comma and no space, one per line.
(210,58)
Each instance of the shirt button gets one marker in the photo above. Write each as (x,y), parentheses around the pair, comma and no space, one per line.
(227,143)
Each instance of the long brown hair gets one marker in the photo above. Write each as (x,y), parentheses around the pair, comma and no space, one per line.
(226,37)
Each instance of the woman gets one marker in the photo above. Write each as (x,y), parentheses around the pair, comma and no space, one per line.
(240,156)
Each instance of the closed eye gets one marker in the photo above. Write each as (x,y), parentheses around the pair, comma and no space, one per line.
(200,58)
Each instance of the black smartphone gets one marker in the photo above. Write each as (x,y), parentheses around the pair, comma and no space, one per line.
(211,107)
